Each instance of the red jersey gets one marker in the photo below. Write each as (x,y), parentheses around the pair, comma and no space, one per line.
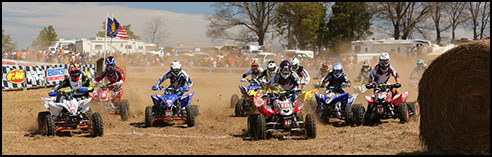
(117,76)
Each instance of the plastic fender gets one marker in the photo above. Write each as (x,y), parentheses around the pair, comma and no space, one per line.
(267,110)
(169,100)
(319,98)
(242,89)
(258,101)
(352,98)
(120,95)
(405,97)
(343,98)
(156,100)
(369,99)
(298,106)
(54,108)
(397,99)
(186,100)
(85,105)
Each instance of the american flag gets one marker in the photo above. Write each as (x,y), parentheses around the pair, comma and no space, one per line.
(121,33)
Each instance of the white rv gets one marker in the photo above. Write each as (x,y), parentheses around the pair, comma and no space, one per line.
(300,53)
(367,49)
(67,45)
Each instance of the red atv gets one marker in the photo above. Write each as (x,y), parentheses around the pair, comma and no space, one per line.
(282,115)
(383,105)
(111,102)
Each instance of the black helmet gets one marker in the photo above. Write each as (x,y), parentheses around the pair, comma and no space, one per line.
(285,69)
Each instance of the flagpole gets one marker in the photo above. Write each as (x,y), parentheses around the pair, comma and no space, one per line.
(111,45)
(105,36)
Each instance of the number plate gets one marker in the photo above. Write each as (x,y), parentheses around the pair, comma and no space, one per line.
(287,122)
(168,113)
(380,109)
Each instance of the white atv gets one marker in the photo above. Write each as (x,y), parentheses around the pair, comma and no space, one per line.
(68,114)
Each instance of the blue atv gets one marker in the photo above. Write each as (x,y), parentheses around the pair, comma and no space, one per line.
(171,106)
(339,105)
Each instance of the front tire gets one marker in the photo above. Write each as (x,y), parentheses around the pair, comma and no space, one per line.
(195,110)
(358,114)
(310,126)
(239,108)
(97,125)
(124,110)
(149,116)
(260,127)
(348,114)
(190,116)
(404,116)
(41,119)
(252,126)
(49,126)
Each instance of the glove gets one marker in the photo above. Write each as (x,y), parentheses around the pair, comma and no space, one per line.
(397,85)
(344,85)
(244,80)
(356,80)
(155,87)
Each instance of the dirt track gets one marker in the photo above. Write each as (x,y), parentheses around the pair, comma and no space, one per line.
(216,131)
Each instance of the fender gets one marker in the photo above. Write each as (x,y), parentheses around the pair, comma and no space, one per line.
(397,99)
(85,105)
(156,100)
(352,98)
(369,99)
(119,94)
(319,98)
(405,97)
(243,90)
(169,100)
(342,98)
(186,100)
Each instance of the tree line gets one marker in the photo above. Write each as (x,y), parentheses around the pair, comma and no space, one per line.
(320,25)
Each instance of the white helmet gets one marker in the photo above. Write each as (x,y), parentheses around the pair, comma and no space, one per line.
(175,68)
(295,63)
(271,65)
(384,61)
(337,70)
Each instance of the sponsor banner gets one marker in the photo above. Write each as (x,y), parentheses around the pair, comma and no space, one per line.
(13,76)
(55,74)
(35,76)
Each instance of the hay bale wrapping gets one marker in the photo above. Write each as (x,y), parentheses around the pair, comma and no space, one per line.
(454,98)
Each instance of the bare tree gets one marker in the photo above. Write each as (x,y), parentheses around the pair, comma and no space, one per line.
(403,15)
(477,18)
(436,14)
(154,30)
(454,10)
(485,18)
(255,16)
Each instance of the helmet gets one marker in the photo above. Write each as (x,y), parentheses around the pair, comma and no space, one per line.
(285,69)
(295,63)
(384,61)
(324,67)
(337,70)
(74,71)
(175,68)
(420,61)
(271,65)
(110,64)
(254,65)
(366,63)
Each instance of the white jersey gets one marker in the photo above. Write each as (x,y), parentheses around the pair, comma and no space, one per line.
(380,77)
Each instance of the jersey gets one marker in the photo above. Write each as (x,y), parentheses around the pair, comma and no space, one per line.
(287,84)
(419,70)
(364,74)
(254,75)
(303,74)
(336,82)
(117,76)
(180,80)
(84,81)
(268,74)
(379,77)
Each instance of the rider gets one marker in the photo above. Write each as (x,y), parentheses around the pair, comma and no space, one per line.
(179,78)
(300,71)
(381,73)
(114,74)
(254,71)
(419,70)
(76,81)
(270,72)
(323,71)
(364,72)
(286,78)
(336,78)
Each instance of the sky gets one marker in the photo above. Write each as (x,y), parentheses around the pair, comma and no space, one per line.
(185,22)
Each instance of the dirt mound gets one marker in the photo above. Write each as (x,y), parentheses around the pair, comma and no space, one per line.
(455,101)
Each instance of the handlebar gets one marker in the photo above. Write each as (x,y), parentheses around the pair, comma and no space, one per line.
(397,85)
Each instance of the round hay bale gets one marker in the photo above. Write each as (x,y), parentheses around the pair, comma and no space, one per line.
(100,68)
(454,98)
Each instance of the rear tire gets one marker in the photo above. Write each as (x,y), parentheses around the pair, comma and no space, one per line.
(190,116)
(404,116)
(149,116)
(97,125)
(239,108)
(358,114)
(260,127)
(124,110)
(310,126)
(49,126)
(234,99)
